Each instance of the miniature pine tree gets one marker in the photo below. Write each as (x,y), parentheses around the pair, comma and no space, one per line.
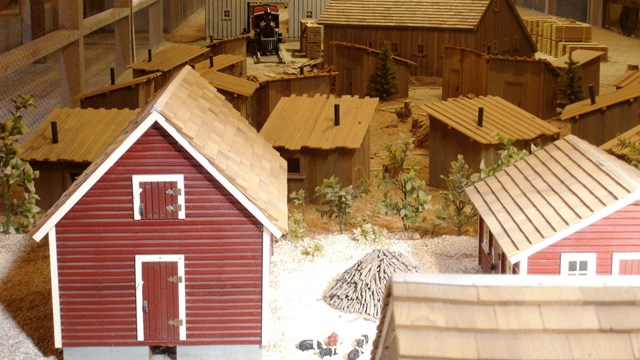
(384,81)
(570,84)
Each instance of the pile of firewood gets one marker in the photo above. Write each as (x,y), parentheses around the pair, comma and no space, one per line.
(361,288)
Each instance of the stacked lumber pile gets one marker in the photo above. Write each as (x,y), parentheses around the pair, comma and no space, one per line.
(314,41)
(361,288)
(556,36)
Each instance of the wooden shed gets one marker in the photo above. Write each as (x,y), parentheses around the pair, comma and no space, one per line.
(356,63)
(168,60)
(589,63)
(514,79)
(165,240)
(611,114)
(630,76)
(322,136)
(465,316)
(133,94)
(419,30)
(610,146)
(236,91)
(236,45)
(455,129)
(235,65)
(81,136)
(567,209)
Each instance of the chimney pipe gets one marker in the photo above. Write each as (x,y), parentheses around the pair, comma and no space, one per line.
(54,132)
(301,70)
(112,72)
(336,114)
(210,60)
(592,94)
(149,55)
(480,116)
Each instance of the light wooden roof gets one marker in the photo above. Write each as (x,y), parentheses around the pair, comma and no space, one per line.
(212,131)
(627,78)
(458,14)
(83,134)
(111,88)
(303,76)
(632,134)
(220,62)
(580,56)
(552,193)
(170,57)
(229,83)
(308,122)
(439,316)
(575,110)
(546,62)
(500,116)
(371,50)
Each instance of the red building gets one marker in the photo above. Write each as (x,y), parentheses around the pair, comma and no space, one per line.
(567,209)
(165,239)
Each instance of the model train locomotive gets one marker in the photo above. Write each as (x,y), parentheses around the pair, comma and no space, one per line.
(266,32)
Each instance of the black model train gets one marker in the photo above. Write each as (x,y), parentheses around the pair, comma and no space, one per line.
(266,32)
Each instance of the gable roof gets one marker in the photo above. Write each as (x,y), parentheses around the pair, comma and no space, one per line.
(111,88)
(229,83)
(552,193)
(464,316)
(308,122)
(632,135)
(500,116)
(630,76)
(580,56)
(215,134)
(459,14)
(575,110)
(83,134)
(169,58)
(367,49)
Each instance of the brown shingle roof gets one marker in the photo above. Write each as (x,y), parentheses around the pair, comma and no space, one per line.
(575,110)
(83,134)
(308,122)
(229,83)
(500,117)
(580,56)
(627,78)
(111,88)
(459,14)
(220,62)
(632,134)
(170,57)
(552,193)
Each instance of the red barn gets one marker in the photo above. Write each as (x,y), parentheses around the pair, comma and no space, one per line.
(165,239)
(567,209)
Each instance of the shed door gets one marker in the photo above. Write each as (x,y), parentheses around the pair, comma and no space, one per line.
(160,300)
(625,263)
(158,200)
(629,267)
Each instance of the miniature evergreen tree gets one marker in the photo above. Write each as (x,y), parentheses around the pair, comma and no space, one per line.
(17,190)
(457,209)
(570,84)
(384,81)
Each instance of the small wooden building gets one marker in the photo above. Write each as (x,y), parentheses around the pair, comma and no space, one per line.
(514,79)
(419,30)
(610,115)
(589,64)
(81,136)
(459,127)
(356,63)
(611,147)
(236,91)
(167,61)
(630,76)
(165,240)
(133,94)
(471,316)
(567,209)
(321,136)
(231,46)
(235,65)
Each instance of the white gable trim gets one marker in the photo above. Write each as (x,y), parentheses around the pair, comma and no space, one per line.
(266,268)
(253,209)
(95,176)
(55,289)
(634,196)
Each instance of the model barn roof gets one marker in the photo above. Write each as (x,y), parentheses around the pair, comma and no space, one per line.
(112,88)
(630,76)
(632,135)
(216,135)
(575,110)
(459,14)
(229,83)
(500,117)
(580,56)
(83,134)
(220,62)
(552,193)
(308,122)
(446,316)
(169,58)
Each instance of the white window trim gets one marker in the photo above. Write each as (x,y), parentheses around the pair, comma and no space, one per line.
(616,257)
(182,311)
(137,179)
(567,257)
(486,234)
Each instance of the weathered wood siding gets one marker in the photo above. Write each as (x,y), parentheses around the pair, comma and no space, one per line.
(54,179)
(98,240)
(598,127)
(232,46)
(133,97)
(464,72)
(239,102)
(303,9)
(219,27)
(618,232)
(502,30)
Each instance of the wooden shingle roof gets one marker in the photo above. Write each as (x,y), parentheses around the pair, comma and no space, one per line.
(575,110)
(170,57)
(500,117)
(83,134)
(464,316)
(580,56)
(112,88)
(632,135)
(229,83)
(458,14)
(220,62)
(552,193)
(215,134)
(627,78)
(308,122)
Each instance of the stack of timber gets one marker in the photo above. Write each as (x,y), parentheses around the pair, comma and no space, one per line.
(361,288)
(311,38)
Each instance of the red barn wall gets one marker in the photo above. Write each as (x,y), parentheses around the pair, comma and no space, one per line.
(618,232)
(97,241)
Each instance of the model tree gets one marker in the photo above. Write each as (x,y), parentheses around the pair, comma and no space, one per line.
(631,150)
(570,84)
(384,81)
(457,209)
(17,190)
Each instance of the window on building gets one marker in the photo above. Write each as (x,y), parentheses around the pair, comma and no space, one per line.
(486,234)
(293,166)
(158,197)
(309,14)
(420,49)
(226,14)
(394,47)
(578,264)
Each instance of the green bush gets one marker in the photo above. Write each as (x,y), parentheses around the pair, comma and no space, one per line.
(296,220)
(337,200)
(368,232)
(313,249)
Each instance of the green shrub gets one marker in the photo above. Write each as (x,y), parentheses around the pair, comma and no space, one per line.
(313,249)
(368,232)
(337,200)
(296,220)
